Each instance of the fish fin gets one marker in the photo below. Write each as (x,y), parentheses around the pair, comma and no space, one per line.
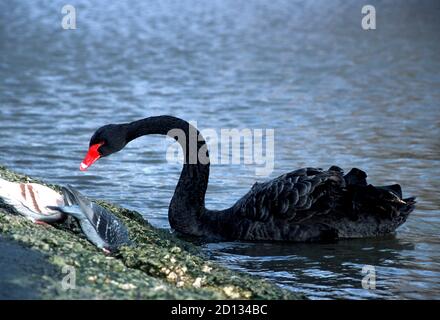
(69,198)
(74,210)
(56,217)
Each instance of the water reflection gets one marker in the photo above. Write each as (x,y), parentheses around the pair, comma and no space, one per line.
(321,268)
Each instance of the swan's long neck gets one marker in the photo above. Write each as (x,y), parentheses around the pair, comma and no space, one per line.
(188,202)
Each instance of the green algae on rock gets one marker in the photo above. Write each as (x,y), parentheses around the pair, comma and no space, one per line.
(158,266)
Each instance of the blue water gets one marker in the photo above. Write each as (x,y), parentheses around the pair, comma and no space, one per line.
(333,93)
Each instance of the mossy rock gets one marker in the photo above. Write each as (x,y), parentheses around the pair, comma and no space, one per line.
(158,266)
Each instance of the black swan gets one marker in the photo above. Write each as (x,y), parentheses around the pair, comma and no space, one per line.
(308,204)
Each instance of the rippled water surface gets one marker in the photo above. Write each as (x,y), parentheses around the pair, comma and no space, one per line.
(334,93)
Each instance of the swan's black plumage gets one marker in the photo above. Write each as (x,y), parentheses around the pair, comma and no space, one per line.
(308,204)
(292,196)
(312,204)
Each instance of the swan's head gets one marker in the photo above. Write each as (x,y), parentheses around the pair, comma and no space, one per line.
(106,140)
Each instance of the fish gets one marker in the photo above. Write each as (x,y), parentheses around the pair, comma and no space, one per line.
(32,201)
(101,228)
(43,205)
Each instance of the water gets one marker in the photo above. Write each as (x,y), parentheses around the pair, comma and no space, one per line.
(334,93)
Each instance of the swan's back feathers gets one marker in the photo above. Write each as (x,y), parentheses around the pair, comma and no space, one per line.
(312,204)
(356,177)
(293,196)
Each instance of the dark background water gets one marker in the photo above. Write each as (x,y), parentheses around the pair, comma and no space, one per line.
(334,93)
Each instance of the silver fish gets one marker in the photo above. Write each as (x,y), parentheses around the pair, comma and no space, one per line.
(101,227)
(31,200)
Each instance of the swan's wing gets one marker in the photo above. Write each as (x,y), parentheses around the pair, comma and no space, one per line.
(295,196)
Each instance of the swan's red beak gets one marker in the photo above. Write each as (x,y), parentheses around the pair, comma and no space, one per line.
(91,157)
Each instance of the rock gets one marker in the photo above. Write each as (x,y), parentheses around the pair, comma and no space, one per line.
(137,270)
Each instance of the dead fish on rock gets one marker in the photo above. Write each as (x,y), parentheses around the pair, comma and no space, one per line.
(31,200)
(101,228)
(41,204)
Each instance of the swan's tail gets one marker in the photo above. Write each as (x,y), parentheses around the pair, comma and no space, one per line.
(408,207)
(377,209)
(391,200)
(385,199)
